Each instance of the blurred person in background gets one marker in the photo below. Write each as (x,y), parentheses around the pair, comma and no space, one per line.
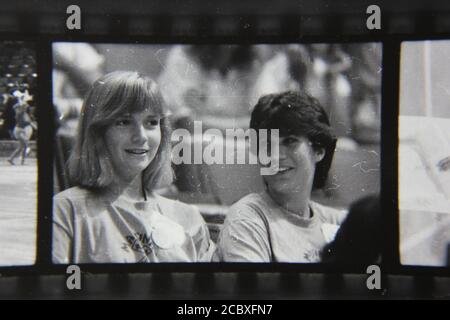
(75,68)
(287,69)
(327,82)
(364,76)
(23,129)
(346,79)
(8,115)
(210,83)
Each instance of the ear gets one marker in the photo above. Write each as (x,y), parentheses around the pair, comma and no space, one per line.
(319,154)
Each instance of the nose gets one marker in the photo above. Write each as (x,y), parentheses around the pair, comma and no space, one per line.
(282,152)
(139,135)
(277,155)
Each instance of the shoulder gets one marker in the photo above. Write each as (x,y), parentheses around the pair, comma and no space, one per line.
(244,236)
(67,205)
(185,214)
(176,206)
(73,195)
(328,214)
(77,200)
(251,207)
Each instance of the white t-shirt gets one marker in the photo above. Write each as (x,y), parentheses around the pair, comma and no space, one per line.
(87,228)
(257,230)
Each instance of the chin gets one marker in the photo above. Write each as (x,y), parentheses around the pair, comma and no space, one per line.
(281,187)
(139,165)
(136,170)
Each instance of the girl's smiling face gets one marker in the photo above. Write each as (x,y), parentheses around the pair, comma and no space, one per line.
(132,142)
(297,164)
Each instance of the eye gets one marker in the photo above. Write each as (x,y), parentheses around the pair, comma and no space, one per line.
(122,122)
(290,140)
(151,123)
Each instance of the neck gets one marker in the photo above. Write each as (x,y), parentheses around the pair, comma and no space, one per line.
(294,202)
(131,189)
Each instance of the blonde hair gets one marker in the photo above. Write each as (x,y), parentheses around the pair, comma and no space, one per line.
(110,97)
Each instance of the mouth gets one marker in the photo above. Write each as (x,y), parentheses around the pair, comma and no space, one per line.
(282,170)
(137,152)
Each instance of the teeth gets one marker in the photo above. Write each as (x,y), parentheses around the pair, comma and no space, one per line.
(137,151)
(283,169)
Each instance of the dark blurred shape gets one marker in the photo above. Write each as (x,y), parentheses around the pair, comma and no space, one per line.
(358,241)
(223,58)
(8,115)
(444,164)
(448,255)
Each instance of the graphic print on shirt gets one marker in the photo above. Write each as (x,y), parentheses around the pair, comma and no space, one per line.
(139,242)
(164,235)
(311,253)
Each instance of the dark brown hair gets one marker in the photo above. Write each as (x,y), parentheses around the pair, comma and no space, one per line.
(298,113)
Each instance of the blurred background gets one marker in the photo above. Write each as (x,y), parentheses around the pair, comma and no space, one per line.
(219,85)
(424,153)
(17,74)
(18,184)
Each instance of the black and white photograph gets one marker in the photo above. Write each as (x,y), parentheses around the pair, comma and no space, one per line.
(217,153)
(18,150)
(424,153)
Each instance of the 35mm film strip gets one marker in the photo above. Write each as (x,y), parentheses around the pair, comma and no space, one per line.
(307,156)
